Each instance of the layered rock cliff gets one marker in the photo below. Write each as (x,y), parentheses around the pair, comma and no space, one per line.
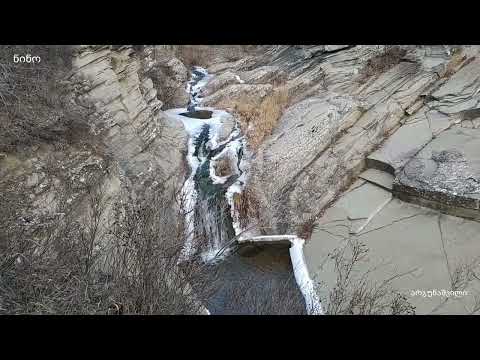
(342,102)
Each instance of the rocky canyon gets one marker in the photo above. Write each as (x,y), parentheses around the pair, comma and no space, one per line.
(235,179)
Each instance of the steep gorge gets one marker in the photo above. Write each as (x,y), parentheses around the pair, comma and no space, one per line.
(260,140)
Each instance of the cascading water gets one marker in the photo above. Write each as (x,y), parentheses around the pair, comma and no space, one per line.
(214,137)
(211,222)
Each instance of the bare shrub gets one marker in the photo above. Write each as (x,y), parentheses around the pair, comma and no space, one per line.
(78,267)
(305,229)
(391,56)
(246,205)
(355,293)
(204,55)
(34,98)
(146,264)
(461,278)
(195,55)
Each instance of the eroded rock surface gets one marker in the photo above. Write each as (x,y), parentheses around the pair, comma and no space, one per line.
(320,143)
(127,143)
(426,255)
(146,143)
(419,253)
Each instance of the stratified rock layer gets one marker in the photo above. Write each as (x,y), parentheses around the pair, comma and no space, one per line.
(320,143)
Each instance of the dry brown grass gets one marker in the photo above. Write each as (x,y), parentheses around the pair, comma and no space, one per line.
(247,206)
(258,121)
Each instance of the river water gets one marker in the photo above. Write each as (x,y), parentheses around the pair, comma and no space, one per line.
(258,281)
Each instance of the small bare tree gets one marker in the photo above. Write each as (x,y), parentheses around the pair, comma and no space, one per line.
(355,293)
(83,266)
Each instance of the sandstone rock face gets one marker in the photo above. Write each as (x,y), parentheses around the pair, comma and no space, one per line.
(44,183)
(420,226)
(169,76)
(415,252)
(218,83)
(250,94)
(145,142)
(338,115)
(129,143)
(445,173)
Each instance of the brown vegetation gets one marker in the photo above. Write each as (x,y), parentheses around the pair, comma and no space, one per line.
(194,55)
(85,267)
(457,61)
(356,294)
(223,167)
(258,121)
(204,55)
(35,105)
(391,56)
(247,206)
(305,230)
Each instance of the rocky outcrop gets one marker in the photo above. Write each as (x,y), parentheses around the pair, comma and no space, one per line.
(145,142)
(219,82)
(338,114)
(169,76)
(407,258)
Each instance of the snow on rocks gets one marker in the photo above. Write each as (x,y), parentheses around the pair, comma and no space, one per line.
(239,80)
(302,277)
(222,131)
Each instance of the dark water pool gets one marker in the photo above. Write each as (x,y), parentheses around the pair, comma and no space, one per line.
(258,283)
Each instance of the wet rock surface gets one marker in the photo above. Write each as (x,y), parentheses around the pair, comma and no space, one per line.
(198,114)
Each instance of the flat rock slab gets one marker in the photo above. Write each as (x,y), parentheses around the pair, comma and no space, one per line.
(407,141)
(445,173)
(378,177)
(423,251)
(353,207)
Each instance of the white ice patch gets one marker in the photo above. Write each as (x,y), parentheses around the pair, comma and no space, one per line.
(188,196)
(302,277)
(213,256)
(217,179)
(194,127)
(231,153)
(239,80)
(194,87)
(231,191)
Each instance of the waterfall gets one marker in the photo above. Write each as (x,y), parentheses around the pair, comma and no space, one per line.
(214,139)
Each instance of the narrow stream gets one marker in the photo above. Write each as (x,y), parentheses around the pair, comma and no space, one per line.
(261,281)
